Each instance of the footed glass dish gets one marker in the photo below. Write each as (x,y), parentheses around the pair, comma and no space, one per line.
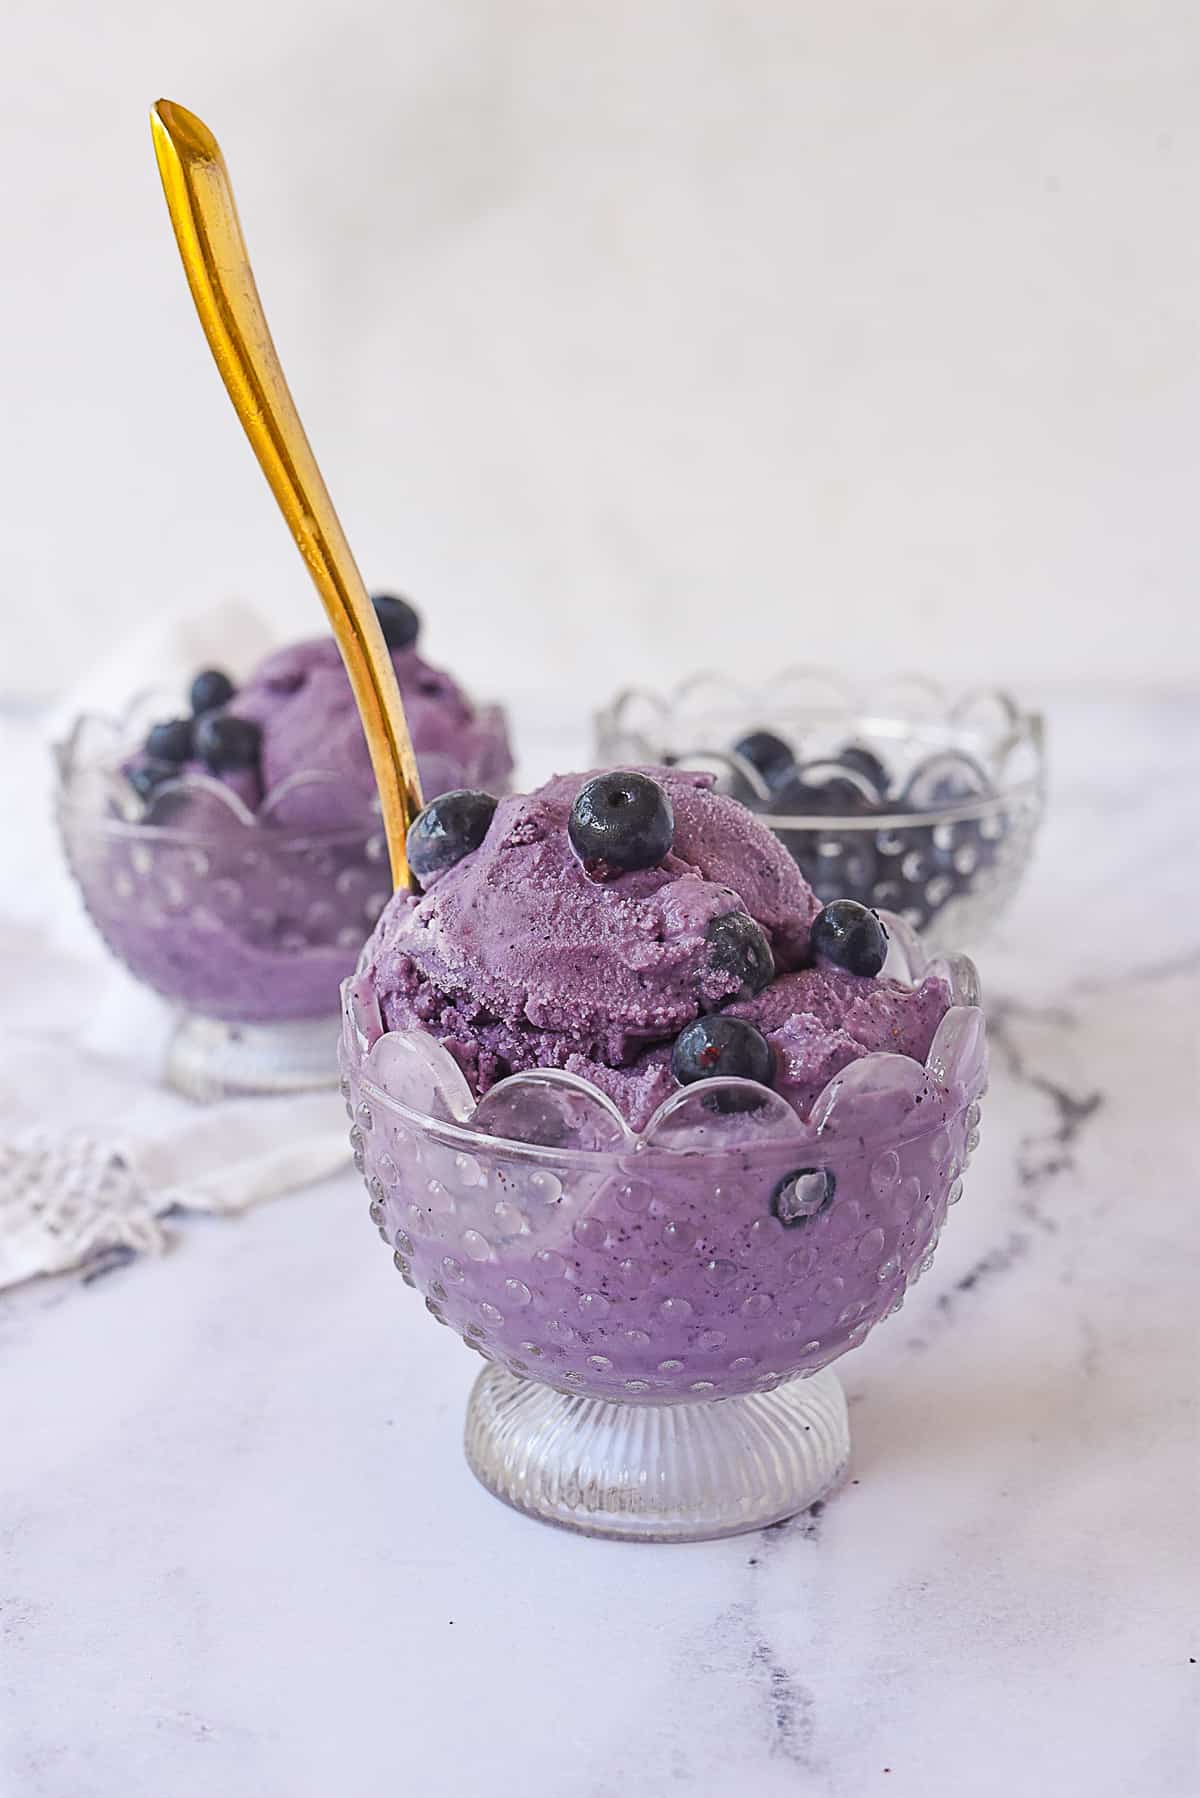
(659,1311)
(902,795)
(244,922)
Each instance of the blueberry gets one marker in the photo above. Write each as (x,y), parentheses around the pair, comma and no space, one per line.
(802,1193)
(210,689)
(735,785)
(843,866)
(449,828)
(171,741)
(836,863)
(397,619)
(861,760)
(768,753)
(944,859)
(738,946)
(717,1046)
(620,821)
(851,936)
(947,778)
(145,776)
(821,791)
(223,741)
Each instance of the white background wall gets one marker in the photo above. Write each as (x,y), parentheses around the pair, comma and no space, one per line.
(633,335)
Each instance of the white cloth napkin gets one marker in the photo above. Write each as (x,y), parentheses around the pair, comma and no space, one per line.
(94,1150)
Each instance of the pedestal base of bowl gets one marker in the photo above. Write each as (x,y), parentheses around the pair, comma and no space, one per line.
(210,1059)
(657,1473)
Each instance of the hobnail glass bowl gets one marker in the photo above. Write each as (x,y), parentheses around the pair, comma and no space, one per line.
(247,924)
(945,844)
(659,1311)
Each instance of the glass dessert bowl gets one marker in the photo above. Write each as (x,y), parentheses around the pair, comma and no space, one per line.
(902,796)
(234,859)
(660,1274)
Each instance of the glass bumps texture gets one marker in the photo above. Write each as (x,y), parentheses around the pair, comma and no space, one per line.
(715,1255)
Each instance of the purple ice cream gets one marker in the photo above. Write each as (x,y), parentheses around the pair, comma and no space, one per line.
(246,879)
(517,958)
(301,702)
(707,1246)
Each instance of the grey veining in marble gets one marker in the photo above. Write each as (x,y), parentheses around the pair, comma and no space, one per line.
(242,1554)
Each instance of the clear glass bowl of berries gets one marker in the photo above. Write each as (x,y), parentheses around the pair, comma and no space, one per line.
(231,854)
(659,1309)
(902,796)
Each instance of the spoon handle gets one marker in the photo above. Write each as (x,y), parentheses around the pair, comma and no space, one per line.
(200,201)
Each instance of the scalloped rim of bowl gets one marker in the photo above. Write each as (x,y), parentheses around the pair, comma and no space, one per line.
(847,700)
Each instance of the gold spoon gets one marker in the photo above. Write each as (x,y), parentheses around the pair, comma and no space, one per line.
(200,201)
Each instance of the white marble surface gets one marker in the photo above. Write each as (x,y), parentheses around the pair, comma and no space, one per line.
(242,1554)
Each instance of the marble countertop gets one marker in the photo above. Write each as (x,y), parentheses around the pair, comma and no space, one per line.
(242,1554)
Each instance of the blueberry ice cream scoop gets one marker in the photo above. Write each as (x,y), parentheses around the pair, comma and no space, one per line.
(522,954)
(295,716)
(235,860)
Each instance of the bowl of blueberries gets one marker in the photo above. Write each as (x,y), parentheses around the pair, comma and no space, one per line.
(903,796)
